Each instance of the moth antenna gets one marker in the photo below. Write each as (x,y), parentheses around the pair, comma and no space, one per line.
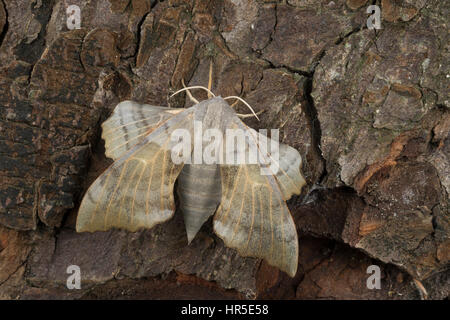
(193,87)
(248,115)
(210,78)
(239,98)
(189,93)
(234,103)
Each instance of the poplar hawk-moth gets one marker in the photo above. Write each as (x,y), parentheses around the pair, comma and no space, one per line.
(137,190)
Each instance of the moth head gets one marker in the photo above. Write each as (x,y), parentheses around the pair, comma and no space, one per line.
(212,95)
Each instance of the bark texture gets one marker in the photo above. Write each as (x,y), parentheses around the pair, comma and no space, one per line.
(367,109)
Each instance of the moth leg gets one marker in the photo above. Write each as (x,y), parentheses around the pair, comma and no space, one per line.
(189,93)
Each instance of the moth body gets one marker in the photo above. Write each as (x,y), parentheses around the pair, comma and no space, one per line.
(199,191)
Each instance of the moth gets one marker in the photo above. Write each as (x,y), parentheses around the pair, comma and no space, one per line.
(137,190)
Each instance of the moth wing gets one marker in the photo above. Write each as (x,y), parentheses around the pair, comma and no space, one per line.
(285,165)
(253,217)
(136,191)
(289,176)
(129,123)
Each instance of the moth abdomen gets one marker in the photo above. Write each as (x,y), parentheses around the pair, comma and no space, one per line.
(199,190)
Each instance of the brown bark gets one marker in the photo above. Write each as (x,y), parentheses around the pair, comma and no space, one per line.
(367,110)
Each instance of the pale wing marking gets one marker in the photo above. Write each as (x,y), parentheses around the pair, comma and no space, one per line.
(232,194)
(162,178)
(133,122)
(115,190)
(101,195)
(127,188)
(271,221)
(135,190)
(128,141)
(273,160)
(253,217)
(240,212)
(262,223)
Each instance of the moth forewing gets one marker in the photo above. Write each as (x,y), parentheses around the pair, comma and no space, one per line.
(129,123)
(182,150)
(213,150)
(136,191)
(235,146)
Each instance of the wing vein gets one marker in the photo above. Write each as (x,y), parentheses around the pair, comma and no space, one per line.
(114,192)
(127,124)
(162,179)
(126,190)
(253,218)
(232,195)
(238,221)
(271,222)
(149,187)
(135,190)
(101,196)
(262,223)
